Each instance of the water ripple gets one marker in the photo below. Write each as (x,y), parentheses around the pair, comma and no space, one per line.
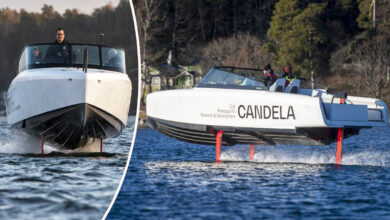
(58,185)
(169,179)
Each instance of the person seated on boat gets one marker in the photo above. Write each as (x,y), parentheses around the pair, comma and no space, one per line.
(113,57)
(36,55)
(288,75)
(269,76)
(56,51)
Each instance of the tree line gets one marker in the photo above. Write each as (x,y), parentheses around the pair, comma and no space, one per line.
(19,28)
(324,39)
(184,26)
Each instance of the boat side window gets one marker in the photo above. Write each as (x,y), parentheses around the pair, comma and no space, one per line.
(78,55)
(22,66)
(44,55)
(113,59)
(216,78)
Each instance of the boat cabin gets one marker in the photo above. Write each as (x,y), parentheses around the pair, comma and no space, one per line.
(230,77)
(233,78)
(70,55)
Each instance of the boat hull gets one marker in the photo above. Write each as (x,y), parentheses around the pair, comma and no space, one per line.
(206,134)
(71,127)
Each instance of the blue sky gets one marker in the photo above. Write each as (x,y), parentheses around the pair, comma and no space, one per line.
(84,6)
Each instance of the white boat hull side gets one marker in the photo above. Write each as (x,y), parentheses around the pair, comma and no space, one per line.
(110,92)
(245,109)
(35,92)
(263,110)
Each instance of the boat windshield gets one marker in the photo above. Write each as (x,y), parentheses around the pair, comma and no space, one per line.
(225,78)
(71,55)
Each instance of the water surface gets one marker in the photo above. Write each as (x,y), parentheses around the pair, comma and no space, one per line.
(58,185)
(170,179)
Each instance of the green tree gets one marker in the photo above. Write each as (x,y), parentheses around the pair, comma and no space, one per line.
(303,45)
(282,20)
(299,35)
(364,20)
(20,28)
(382,15)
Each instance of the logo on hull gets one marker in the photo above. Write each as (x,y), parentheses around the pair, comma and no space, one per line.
(266,112)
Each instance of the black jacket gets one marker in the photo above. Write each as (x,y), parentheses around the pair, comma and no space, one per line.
(58,51)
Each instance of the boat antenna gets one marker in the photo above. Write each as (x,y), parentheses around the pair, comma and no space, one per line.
(85,65)
(101,38)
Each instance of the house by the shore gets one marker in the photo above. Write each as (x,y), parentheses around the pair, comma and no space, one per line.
(168,76)
(172,76)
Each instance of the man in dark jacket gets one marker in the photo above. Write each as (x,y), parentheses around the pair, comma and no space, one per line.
(60,50)
(269,76)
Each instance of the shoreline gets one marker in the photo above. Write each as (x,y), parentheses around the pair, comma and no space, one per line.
(142,120)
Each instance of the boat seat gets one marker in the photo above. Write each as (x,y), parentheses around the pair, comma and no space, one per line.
(294,90)
(278,86)
(293,86)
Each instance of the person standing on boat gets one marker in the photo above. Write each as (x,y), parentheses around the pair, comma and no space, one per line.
(58,51)
(288,75)
(269,76)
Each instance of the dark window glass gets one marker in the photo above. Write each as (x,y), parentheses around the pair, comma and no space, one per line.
(78,55)
(61,55)
(216,78)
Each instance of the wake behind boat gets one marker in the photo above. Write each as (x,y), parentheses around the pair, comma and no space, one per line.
(71,95)
(232,106)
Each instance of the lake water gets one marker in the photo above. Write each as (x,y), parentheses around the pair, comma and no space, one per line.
(170,179)
(58,185)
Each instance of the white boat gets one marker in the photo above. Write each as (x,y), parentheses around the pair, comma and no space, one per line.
(235,101)
(70,94)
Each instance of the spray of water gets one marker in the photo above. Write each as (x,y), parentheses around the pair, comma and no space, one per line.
(18,142)
(309,154)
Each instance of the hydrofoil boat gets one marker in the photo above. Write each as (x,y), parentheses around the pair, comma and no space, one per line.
(231,105)
(70,95)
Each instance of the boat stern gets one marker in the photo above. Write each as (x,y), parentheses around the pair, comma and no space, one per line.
(356,112)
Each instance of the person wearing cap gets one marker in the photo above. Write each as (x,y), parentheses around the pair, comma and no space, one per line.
(288,75)
(269,76)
